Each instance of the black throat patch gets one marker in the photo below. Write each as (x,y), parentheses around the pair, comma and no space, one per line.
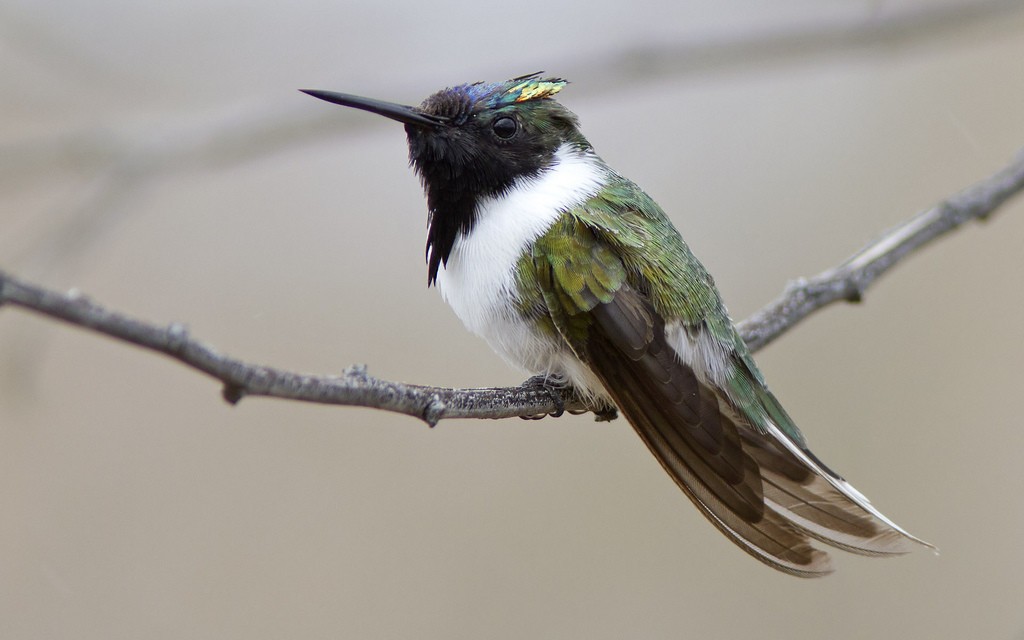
(458,168)
(451,213)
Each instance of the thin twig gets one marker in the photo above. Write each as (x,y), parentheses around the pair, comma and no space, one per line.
(849,280)
(355,387)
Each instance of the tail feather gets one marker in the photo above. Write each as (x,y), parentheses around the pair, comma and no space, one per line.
(889,538)
(767,536)
(764,491)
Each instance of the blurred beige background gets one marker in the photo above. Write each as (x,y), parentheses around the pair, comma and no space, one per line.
(158,157)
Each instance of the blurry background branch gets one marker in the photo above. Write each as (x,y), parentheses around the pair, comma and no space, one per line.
(848,282)
(125,162)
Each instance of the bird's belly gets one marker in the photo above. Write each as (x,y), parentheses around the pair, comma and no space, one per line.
(489,307)
(523,345)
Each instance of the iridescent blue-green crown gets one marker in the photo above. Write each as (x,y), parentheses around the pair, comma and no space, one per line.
(521,89)
(527,88)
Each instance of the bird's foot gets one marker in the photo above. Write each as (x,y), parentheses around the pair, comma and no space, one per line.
(558,390)
(554,388)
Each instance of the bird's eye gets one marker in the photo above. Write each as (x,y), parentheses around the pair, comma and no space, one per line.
(505,127)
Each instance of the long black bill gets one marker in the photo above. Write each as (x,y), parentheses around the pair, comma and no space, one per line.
(402,113)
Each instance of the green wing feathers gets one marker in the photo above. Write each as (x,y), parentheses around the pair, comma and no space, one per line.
(610,299)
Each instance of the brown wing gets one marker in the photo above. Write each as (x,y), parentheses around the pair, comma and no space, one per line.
(692,433)
(760,494)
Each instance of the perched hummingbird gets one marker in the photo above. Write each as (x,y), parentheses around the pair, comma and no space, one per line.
(570,271)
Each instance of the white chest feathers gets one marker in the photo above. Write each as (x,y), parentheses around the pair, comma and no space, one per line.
(479,279)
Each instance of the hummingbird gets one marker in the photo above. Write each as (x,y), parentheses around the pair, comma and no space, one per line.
(573,273)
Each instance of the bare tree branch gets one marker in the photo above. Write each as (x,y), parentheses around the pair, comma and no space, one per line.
(849,280)
(355,387)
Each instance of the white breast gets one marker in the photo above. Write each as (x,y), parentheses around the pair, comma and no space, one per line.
(479,279)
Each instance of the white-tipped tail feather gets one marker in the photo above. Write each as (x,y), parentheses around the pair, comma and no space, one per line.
(891,539)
